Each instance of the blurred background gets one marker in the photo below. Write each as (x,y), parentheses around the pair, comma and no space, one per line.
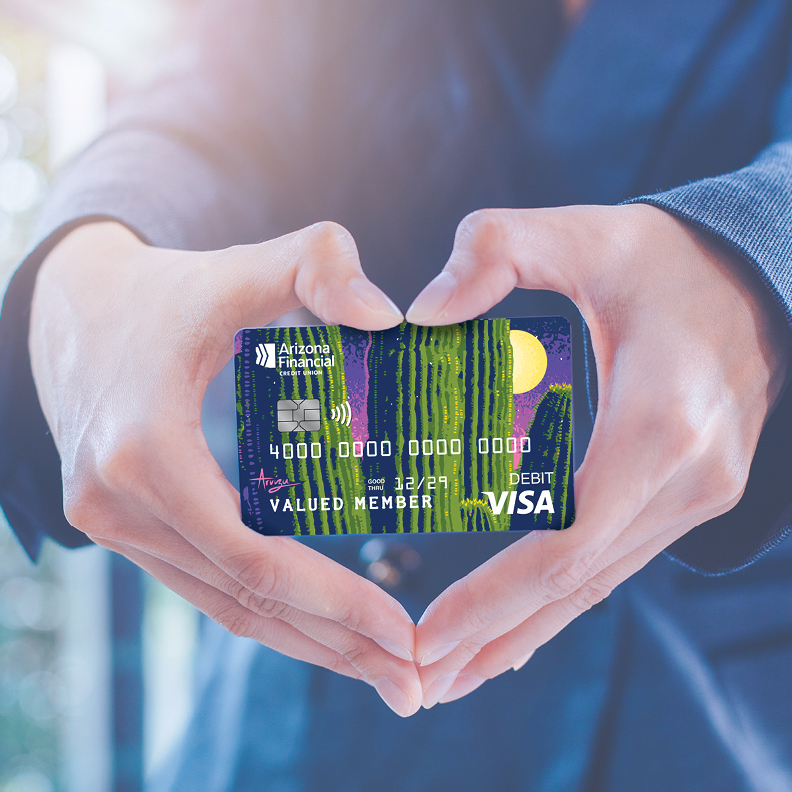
(95,656)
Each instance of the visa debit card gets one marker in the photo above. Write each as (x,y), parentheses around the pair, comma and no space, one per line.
(466,427)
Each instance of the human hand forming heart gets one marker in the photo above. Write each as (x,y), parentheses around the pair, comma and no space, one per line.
(681,406)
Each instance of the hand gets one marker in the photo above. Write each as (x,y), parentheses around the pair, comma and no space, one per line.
(124,339)
(689,365)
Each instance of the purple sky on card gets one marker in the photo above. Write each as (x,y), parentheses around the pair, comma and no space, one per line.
(356,344)
(559,370)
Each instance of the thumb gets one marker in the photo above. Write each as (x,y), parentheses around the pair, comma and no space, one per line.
(317,267)
(497,250)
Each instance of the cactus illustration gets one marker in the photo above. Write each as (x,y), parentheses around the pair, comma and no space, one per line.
(551,449)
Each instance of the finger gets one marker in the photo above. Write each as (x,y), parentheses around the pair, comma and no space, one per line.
(513,649)
(317,267)
(234,617)
(612,522)
(465,683)
(272,632)
(473,663)
(534,571)
(373,662)
(506,641)
(201,505)
(509,642)
(496,250)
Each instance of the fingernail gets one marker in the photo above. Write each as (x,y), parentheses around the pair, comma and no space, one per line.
(395,649)
(396,698)
(462,686)
(438,689)
(429,304)
(438,654)
(374,298)
(520,663)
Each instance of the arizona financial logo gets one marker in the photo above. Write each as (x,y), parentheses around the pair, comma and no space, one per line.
(265,355)
(283,357)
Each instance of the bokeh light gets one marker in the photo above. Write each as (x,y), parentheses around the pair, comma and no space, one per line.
(29,781)
(23,137)
(8,84)
(22,186)
(10,139)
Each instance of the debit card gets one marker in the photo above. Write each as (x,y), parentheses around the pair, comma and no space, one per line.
(466,427)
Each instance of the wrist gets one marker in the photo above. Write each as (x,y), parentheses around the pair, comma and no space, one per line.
(728,291)
(87,241)
(721,261)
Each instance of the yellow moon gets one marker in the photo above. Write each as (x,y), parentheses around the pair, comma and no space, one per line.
(530,360)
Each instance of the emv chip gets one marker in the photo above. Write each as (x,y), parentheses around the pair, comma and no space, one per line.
(301,415)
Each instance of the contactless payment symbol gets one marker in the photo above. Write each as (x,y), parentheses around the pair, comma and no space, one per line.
(408,430)
(342,414)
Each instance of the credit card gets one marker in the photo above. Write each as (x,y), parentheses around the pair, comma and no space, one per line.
(466,427)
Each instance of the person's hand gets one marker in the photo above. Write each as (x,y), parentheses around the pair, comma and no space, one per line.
(689,364)
(124,339)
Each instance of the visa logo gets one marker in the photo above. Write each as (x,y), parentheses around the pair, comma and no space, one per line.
(509,501)
(265,355)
